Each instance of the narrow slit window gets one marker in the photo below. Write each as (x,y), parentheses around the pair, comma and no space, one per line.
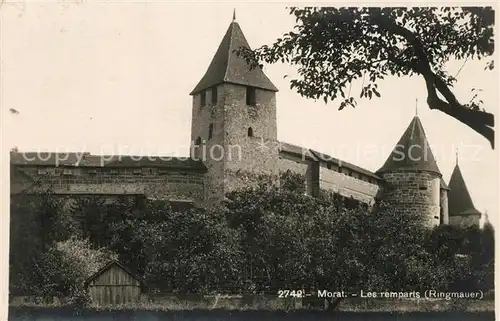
(250,132)
(197,142)
(251,100)
(214,95)
(423,187)
(203,101)
(210,131)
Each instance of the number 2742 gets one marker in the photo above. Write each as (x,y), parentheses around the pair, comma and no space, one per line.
(290,293)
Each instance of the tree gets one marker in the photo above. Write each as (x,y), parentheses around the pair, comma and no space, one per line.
(68,264)
(467,254)
(292,182)
(293,240)
(91,222)
(38,223)
(190,252)
(335,46)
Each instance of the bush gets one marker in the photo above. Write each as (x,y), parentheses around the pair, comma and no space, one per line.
(260,239)
(191,252)
(63,269)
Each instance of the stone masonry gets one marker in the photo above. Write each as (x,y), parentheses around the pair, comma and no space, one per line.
(234,141)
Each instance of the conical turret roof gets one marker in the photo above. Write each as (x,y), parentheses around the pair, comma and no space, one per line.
(459,200)
(412,152)
(227,67)
(442,185)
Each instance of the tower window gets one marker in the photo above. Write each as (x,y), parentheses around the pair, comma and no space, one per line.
(210,131)
(214,95)
(197,142)
(329,166)
(422,187)
(251,101)
(250,132)
(203,97)
(350,173)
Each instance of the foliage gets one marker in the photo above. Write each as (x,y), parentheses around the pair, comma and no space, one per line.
(68,264)
(292,240)
(37,222)
(89,223)
(467,254)
(334,47)
(292,182)
(191,252)
(62,269)
(260,239)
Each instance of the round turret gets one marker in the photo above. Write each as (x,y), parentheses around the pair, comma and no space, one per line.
(444,202)
(412,178)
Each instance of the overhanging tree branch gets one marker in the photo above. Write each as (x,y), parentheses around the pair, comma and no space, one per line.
(478,120)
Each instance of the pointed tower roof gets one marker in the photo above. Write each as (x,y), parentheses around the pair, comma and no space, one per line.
(412,152)
(442,185)
(227,67)
(459,200)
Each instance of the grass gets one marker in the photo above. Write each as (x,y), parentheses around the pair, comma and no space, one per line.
(270,304)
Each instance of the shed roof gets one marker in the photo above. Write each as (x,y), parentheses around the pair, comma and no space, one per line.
(107,267)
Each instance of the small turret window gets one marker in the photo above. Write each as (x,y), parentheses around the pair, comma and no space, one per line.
(210,131)
(197,142)
(203,97)
(214,95)
(251,100)
(250,132)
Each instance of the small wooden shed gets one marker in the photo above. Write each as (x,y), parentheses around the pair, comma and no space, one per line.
(113,284)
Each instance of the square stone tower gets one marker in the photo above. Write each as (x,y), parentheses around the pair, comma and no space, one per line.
(234,127)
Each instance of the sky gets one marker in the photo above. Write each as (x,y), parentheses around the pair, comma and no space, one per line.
(114,78)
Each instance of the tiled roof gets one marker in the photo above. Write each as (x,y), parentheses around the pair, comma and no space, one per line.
(296,150)
(227,67)
(88,160)
(412,152)
(317,156)
(459,200)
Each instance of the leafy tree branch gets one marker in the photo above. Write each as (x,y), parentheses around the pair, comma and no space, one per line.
(333,47)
